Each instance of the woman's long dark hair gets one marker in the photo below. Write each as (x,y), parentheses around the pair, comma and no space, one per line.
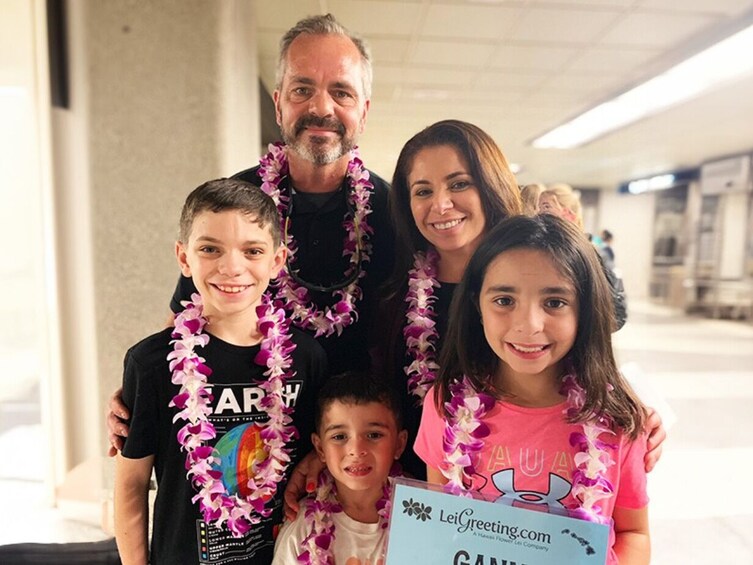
(466,352)
(497,187)
(499,195)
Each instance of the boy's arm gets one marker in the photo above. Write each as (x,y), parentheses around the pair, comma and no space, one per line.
(632,543)
(132,508)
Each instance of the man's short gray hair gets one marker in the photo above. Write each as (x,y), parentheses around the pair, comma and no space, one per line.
(324,25)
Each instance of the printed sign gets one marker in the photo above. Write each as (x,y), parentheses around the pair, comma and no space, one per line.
(431,527)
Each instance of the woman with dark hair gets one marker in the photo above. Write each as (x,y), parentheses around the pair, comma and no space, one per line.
(452,185)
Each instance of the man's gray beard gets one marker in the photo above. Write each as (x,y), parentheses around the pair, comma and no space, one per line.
(318,154)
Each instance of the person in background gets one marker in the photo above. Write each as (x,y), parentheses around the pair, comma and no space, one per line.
(529,195)
(606,251)
(563,201)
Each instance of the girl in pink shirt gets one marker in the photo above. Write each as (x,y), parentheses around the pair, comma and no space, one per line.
(529,407)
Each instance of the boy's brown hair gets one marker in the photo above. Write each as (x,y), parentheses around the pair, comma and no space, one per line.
(221,195)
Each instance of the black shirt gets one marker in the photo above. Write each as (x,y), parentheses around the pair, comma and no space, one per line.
(236,415)
(316,224)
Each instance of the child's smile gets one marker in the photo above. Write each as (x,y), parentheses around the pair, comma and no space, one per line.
(529,312)
(359,443)
(232,289)
(527,351)
(358,470)
(231,260)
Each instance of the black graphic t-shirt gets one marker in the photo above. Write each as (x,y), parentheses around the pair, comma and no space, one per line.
(180,536)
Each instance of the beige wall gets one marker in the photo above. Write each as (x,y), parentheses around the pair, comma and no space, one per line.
(163,96)
(631,219)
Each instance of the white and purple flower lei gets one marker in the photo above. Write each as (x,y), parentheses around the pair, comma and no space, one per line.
(465,430)
(590,484)
(420,331)
(193,402)
(464,435)
(317,545)
(273,168)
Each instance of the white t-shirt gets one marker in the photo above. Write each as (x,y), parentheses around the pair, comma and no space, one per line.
(355,543)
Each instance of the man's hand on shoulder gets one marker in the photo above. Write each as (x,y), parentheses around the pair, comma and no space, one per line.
(117,429)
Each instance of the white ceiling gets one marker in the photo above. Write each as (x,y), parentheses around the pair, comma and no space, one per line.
(517,68)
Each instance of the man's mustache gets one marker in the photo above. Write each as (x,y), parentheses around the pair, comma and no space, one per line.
(322,123)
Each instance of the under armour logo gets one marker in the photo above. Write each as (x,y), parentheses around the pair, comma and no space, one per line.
(559,488)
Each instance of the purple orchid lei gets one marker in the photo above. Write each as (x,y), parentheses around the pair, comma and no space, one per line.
(420,331)
(317,545)
(193,402)
(273,168)
(465,431)
(464,435)
(590,484)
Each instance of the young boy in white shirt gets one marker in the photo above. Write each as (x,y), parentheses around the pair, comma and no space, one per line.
(359,437)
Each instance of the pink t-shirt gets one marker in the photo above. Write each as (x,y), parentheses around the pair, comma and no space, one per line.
(527,457)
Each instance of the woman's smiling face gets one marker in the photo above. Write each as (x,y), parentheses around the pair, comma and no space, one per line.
(444,199)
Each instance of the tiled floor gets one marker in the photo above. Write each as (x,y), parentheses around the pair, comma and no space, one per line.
(701,496)
(701,493)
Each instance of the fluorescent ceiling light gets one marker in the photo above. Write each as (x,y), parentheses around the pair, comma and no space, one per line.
(658,182)
(722,62)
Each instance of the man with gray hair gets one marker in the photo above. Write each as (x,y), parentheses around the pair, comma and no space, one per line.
(333,209)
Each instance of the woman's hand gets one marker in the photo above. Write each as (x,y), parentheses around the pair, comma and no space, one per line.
(302,481)
(656,436)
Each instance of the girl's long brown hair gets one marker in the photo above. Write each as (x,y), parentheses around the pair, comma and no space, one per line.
(466,352)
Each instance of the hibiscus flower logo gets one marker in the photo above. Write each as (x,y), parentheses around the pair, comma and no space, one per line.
(417,509)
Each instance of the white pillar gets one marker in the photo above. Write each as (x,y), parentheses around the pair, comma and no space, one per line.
(163,97)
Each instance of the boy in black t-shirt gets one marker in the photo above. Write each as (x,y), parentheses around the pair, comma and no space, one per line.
(221,402)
